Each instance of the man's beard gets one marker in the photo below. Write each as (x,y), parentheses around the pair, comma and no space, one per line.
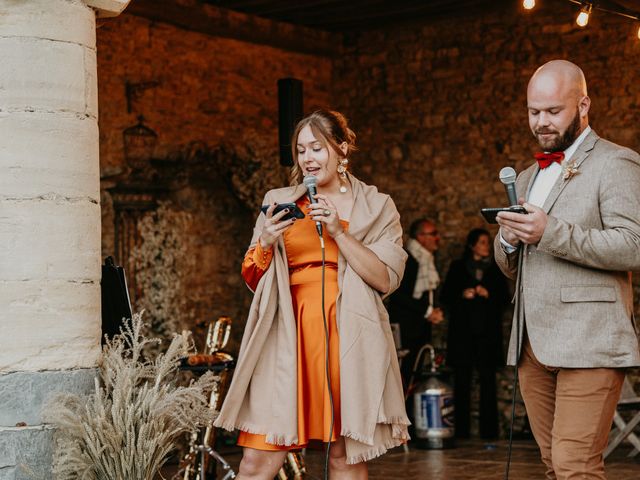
(564,141)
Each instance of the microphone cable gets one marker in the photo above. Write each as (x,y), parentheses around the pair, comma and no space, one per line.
(326,361)
(515,368)
(310,182)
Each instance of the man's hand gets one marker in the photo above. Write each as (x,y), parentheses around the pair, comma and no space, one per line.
(436,317)
(509,235)
(526,228)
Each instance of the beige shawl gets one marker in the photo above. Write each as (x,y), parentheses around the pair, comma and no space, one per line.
(262,397)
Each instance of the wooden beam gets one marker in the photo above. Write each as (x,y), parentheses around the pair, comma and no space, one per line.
(360,15)
(219,22)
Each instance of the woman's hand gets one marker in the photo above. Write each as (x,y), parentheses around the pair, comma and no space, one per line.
(469,293)
(478,291)
(436,316)
(483,292)
(274,226)
(326,212)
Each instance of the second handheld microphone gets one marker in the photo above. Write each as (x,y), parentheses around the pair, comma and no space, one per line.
(508,178)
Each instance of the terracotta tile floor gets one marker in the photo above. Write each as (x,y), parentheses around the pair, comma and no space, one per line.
(471,460)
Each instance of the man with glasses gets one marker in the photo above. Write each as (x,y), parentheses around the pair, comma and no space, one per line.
(412,304)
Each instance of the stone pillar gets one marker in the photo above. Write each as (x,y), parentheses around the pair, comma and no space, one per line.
(49,218)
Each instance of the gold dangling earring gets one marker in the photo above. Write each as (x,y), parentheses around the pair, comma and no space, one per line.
(342,170)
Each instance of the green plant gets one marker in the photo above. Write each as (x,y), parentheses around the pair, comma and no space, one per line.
(128,426)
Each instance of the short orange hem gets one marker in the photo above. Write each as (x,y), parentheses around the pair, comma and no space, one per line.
(258,442)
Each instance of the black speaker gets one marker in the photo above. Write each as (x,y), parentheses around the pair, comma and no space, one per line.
(289,114)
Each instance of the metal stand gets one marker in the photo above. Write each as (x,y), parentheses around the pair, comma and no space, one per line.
(200,444)
(204,450)
(215,360)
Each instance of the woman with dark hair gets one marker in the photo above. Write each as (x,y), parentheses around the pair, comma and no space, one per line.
(475,294)
(317,361)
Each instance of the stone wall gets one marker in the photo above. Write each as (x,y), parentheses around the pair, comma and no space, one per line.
(440,108)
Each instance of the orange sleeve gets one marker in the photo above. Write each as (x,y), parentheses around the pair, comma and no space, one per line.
(256,261)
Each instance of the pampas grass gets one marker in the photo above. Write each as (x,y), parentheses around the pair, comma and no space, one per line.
(127,427)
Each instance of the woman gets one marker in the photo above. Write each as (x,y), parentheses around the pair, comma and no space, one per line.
(279,397)
(475,294)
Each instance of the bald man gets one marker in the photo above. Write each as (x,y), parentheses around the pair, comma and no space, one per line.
(574,332)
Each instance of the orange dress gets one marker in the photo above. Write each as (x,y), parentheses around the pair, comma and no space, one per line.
(304,257)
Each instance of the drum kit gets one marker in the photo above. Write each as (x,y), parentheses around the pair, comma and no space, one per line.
(202,461)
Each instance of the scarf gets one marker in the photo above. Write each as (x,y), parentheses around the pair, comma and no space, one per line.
(262,397)
(427,279)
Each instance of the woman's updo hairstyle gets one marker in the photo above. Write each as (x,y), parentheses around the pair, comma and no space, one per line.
(329,127)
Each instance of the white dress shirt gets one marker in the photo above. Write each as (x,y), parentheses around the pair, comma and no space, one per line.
(545,180)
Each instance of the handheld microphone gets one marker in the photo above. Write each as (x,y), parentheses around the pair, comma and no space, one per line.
(508,178)
(311,182)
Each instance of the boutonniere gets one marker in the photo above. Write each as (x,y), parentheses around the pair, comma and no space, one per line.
(569,170)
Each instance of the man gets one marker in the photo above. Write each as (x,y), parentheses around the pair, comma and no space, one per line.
(412,304)
(572,254)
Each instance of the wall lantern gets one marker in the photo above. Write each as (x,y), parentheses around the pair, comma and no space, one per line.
(139,144)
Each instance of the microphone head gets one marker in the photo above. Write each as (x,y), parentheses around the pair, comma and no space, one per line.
(507,175)
(310,181)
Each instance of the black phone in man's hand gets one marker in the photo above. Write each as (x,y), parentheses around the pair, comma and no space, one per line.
(294,211)
(490,214)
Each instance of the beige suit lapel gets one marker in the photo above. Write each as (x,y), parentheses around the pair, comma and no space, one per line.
(533,176)
(578,157)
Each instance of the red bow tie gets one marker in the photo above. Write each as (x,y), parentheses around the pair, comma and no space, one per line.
(546,159)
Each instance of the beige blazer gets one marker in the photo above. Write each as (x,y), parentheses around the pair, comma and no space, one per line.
(262,395)
(573,289)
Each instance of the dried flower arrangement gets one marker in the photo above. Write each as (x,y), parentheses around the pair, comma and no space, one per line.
(164,262)
(128,426)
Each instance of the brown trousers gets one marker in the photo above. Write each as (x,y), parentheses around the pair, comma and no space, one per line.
(570,411)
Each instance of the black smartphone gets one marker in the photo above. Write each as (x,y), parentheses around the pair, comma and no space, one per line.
(490,214)
(294,211)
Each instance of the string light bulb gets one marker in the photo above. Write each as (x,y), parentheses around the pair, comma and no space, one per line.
(583,16)
(587,6)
